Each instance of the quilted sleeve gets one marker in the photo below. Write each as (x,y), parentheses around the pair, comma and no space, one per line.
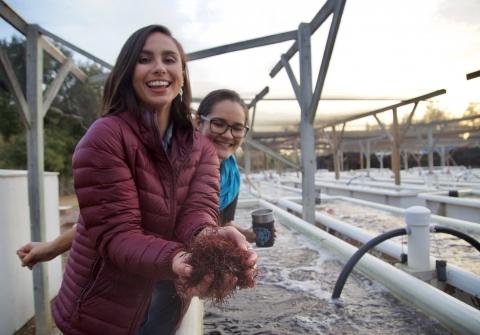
(201,206)
(109,204)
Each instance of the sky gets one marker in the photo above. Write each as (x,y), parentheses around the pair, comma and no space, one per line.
(384,48)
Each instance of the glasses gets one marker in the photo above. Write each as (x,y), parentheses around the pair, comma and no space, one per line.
(220,127)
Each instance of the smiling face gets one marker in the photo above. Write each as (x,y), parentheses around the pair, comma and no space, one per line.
(233,114)
(158,74)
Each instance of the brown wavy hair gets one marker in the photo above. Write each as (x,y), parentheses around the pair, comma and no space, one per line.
(214,97)
(119,94)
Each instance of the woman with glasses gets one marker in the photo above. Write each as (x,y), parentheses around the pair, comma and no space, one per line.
(222,117)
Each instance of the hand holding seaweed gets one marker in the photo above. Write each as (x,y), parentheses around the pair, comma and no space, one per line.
(220,263)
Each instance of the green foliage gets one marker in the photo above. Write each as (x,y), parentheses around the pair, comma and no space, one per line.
(473,109)
(13,153)
(72,111)
(10,122)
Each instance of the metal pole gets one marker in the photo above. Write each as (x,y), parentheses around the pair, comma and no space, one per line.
(430,149)
(307,132)
(442,155)
(247,159)
(395,159)
(368,154)
(341,159)
(36,176)
(336,157)
(362,153)
(405,160)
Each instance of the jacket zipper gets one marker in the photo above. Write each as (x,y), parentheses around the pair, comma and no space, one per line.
(87,287)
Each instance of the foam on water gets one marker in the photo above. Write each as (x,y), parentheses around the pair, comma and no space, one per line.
(296,279)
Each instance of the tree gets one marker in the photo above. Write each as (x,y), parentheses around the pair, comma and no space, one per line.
(72,111)
(434,114)
(473,109)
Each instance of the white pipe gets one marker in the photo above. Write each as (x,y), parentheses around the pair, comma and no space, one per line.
(247,202)
(454,314)
(462,225)
(457,277)
(387,247)
(417,219)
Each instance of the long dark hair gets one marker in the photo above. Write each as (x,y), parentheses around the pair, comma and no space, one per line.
(214,97)
(119,95)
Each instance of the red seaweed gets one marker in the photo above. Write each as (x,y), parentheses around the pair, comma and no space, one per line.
(215,254)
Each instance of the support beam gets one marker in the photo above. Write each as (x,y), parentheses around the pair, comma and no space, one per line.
(17,22)
(58,55)
(319,18)
(341,157)
(258,97)
(270,152)
(409,120)
(380,159)
(405,159)
(13,18)
(309,162)
(395,158)
(74,47)
(253,43)
(442,155)
(291,76)
(252,104)
(56,84)
(361,159)
(36,176)
(336,157)
(327,54)
(246,147)
(14,87)
(247,158)
(472,75)
(368,154)
(430,147)
(387,108)
(380,123)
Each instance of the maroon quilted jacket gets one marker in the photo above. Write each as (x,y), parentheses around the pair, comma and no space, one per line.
(137,208)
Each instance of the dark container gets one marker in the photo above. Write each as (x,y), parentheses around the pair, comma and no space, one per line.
(441,267)
(453,193)
(262,222)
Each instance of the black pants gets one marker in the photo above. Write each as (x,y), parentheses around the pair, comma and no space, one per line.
(162,314)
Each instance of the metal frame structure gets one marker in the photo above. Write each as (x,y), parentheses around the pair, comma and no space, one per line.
(307,99)
(394,134)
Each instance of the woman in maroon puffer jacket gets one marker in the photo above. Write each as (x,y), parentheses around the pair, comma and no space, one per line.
(147,183)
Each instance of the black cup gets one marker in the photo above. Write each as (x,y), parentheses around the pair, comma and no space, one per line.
(453,193)
(262,222)
(441,267)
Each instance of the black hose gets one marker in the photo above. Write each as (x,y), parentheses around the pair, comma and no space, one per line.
(342,278)
(473,242)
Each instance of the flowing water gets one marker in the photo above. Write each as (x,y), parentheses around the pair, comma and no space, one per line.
(292,296)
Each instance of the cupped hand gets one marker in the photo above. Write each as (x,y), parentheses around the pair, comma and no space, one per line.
(203,289)
(239,239)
